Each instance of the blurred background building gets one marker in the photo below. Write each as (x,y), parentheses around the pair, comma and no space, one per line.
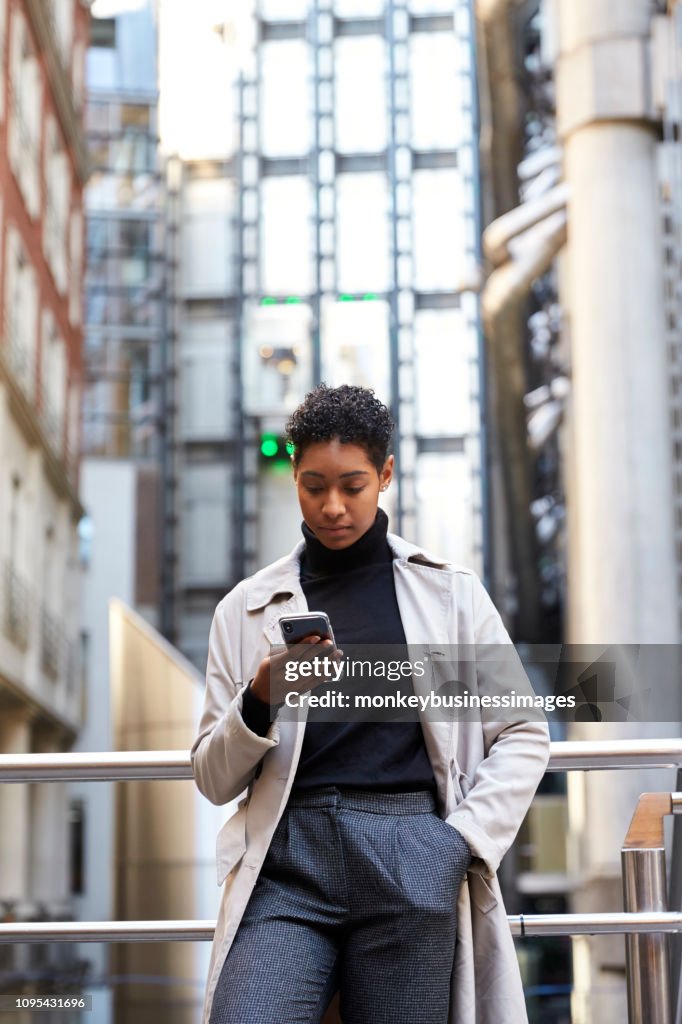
(120,412)
(583,310)
(473,206)
(43,167)
(326,228)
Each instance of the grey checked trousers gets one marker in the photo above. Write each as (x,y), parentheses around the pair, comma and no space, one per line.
(358,893)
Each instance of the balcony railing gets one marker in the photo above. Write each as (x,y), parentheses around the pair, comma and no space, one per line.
(15,606)
(122,766)
(652,999)
(18,355)
(23,616)
(50,644)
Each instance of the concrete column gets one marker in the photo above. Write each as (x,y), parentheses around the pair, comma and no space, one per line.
(14,812)
(48,863)
(620,539)
(620,526)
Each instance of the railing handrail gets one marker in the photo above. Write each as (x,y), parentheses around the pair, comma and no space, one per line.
(119,766)
(669,922)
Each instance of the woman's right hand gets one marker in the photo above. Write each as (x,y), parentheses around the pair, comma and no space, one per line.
(270,685)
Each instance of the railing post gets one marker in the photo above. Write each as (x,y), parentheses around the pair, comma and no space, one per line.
(645,889)
(675,902)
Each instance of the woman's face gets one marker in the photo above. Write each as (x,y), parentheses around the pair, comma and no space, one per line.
(338,491)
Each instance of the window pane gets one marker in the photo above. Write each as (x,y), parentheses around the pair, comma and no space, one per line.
(436,101)
(445,375)
(360,95)
(208,258)
(355,345)
(358,8)
(206,379)
(206,524)
(285,106)
(363,237)
(430,6)
(443,237)
(277,371)
(445,506)
(286,242)
(284,10)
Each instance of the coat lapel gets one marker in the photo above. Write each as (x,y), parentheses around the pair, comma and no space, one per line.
(430,627)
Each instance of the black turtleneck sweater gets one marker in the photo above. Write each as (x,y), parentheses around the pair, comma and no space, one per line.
(355,587)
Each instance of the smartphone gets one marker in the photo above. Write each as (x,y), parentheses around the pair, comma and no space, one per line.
(295,627)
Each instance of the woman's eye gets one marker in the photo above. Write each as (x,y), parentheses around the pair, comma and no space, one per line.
(354,490)
(313,490)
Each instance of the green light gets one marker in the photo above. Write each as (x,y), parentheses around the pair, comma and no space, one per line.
(279,466)
(290,448)
(269,446)
(293,300)
(268,301)
(370,297)
(346,298)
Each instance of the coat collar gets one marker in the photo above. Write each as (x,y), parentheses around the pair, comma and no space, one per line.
(283,576)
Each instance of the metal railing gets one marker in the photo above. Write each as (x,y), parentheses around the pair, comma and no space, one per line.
(650,995)
(521,925)
(121,766)
(651,998)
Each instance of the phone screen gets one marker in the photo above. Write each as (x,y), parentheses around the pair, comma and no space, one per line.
(296,627)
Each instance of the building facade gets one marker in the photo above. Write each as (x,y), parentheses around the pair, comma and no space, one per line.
(330,235)
(120,416)
(43,167)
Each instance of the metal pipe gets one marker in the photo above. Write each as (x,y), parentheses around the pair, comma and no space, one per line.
(532,255)
(675,902)
(645,889)
(120,766)
(107,931)
(109,766)
(583,755)
(202,931)
(648,980)
(497,236)
(595,924)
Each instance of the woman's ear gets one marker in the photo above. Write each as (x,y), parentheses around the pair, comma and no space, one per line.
(386,474)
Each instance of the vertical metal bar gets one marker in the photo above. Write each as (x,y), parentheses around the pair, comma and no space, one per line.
(237,513)
(316,299)
(245,435)
(167,401)
(394,348)
(486,530)
(648,979)
(675,903)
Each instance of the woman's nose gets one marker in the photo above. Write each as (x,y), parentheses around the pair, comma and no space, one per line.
(333,505)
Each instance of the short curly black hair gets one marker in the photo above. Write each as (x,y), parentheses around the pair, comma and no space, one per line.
(353,414)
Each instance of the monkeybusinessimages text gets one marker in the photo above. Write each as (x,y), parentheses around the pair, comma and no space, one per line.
(333,670)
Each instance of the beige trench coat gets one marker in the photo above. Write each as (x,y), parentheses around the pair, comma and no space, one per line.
(486,772)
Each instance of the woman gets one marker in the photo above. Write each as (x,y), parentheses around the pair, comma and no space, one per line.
(362,855)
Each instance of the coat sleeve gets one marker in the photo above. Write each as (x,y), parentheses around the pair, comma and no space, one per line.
(226,752)
(516,749)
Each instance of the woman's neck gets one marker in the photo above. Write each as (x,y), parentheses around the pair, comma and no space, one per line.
(371,547)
